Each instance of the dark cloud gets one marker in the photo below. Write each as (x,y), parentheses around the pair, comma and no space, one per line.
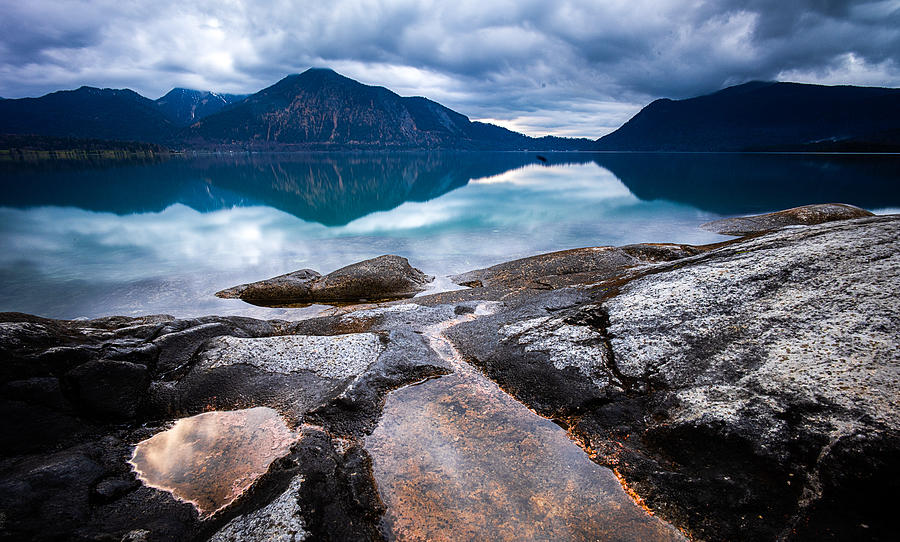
(561,67)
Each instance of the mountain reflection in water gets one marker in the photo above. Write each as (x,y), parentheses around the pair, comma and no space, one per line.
(86,239)
(329,188)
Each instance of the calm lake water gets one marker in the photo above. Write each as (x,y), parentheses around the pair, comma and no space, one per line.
(88,239)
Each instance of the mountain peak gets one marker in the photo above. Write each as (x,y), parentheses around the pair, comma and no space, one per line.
(316,69)
(319,75)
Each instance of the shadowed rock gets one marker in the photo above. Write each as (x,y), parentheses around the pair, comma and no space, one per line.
(381,278)
(112,389)
(805,215)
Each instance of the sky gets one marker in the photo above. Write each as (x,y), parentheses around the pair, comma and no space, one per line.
(566,67)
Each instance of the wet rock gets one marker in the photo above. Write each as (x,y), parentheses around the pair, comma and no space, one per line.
(805,215)
(661,252)
(111,489)
(523,348)
(34,428)
(806,313)
(292,374)
(575,267)
(773,351)
(279,520)
(241,386)
(38,347)
(354,412)
(39,390)
(384,277)
(142,514)
(137,535)
(337,499)
(108,389)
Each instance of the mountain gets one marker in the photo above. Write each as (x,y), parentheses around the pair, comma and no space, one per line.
(766,116)
(184,106)
(315,110)
(87,113)
(320,109)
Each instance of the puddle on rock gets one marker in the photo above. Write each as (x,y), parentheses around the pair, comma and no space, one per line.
(210,459)
(456,458)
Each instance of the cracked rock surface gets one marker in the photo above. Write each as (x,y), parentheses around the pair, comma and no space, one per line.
(747,392)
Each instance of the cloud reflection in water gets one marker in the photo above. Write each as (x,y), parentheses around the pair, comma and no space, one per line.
(211,459)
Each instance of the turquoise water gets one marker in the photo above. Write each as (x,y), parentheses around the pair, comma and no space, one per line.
(87,239)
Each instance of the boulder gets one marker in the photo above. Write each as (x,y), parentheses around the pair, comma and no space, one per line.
(381,278)
(805,215)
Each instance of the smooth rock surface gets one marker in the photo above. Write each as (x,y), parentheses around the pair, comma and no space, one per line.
(805,215)
(541,270)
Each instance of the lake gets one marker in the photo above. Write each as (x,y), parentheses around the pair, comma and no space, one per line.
(94,238)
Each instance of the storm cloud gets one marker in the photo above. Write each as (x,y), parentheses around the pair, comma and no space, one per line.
(566,68)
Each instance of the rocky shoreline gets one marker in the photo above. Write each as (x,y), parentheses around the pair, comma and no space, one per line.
(746,390)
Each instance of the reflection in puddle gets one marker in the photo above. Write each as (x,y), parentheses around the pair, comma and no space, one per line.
(212,458)
(457,458)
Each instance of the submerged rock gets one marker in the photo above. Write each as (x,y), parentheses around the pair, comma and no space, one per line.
(384,277)
(805,215)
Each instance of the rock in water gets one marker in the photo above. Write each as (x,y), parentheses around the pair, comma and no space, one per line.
(283,288)
(381,278)
(805,215)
